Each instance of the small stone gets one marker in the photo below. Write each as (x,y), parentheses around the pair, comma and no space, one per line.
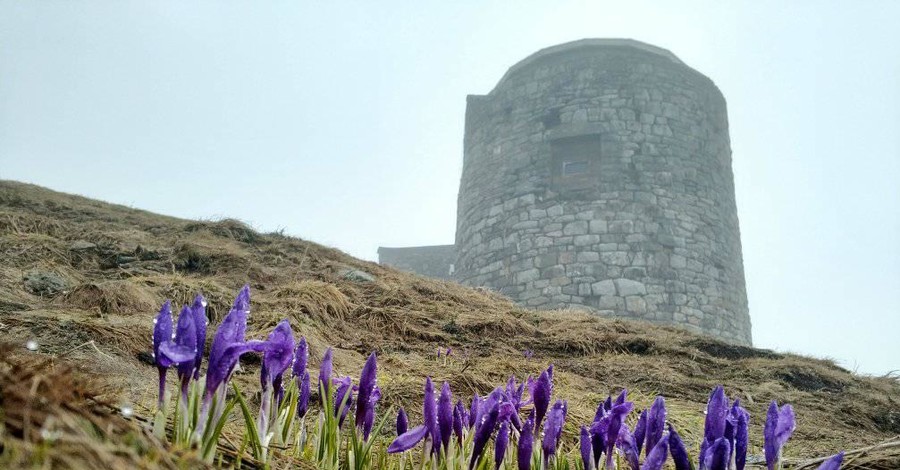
(356,275)
(81,245)
(44,283)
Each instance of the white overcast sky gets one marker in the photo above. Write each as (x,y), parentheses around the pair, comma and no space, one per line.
(342,122)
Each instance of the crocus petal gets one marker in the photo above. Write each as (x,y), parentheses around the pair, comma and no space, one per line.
(485,426)
(369,418)
(779,426)
(541,391)
(640,431)
(445,415)
(786,425)
(526,444)
(500,444)
(279,353)
(402,422)
(553,428)
(627,446)
(223,361)
(679,453)
(474,408)
(714,426)
(198,311)
(656,422)
(407,440)
(584,444)
(176,353)
(227,343)
(301,357)
(325,371)
(303,399)
(458,417)
(741,438)
(162,332)
(834,463)
(656,457)
(429,415)
(718,456)
(368,379)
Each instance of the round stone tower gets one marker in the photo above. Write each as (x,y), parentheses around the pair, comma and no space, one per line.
(597,174)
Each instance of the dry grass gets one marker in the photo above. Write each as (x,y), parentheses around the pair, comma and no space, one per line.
(102,325)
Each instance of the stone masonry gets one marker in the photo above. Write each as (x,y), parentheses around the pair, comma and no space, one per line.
(597,175)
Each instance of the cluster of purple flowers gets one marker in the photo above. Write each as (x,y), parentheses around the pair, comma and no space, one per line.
(450,430)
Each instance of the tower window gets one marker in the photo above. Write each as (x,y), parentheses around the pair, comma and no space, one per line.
(575,168)
(576,162)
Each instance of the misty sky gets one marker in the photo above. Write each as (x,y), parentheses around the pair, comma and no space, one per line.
(343,124)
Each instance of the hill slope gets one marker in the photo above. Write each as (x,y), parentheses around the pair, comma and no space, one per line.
(83,279)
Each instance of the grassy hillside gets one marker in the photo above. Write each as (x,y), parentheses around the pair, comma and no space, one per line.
(84,278)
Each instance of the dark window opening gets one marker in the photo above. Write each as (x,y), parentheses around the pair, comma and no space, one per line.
(576,163)
(575,168)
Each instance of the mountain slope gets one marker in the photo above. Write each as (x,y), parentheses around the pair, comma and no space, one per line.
(84,278)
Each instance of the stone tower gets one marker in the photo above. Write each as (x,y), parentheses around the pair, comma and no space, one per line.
(597,174)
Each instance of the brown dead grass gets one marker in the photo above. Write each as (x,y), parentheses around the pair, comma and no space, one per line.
(142,258)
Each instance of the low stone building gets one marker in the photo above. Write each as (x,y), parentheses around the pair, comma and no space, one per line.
(597,174)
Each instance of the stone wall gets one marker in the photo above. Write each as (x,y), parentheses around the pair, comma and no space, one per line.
(433,261)
(597,174)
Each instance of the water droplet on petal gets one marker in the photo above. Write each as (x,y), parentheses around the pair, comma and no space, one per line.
(31,345)
(155,320)
(204,303)
(127,411)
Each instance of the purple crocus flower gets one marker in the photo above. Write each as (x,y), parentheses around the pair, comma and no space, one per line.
(526,443)
(598,440)
(540,391)
(609,426)
(162,332)
(656,422)
(556,417)
(198,311)
(367,385)
(741,435)
(445,415)
(716,413)
(459,417)
(628,447)
(277,358)
(500,444)
(679,453)
(303,398)
(402,422)
(490,411)
(584,444)
(343,398)
(718,455)
(834,463)
(326,369)
(640,431)
(369,417)
(301,357)
(474,409)
(182,350)
(228,345)
(428,430)
(429,414)
(780,424)
(656,456)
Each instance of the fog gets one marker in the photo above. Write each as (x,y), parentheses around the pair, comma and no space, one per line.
(342,123)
